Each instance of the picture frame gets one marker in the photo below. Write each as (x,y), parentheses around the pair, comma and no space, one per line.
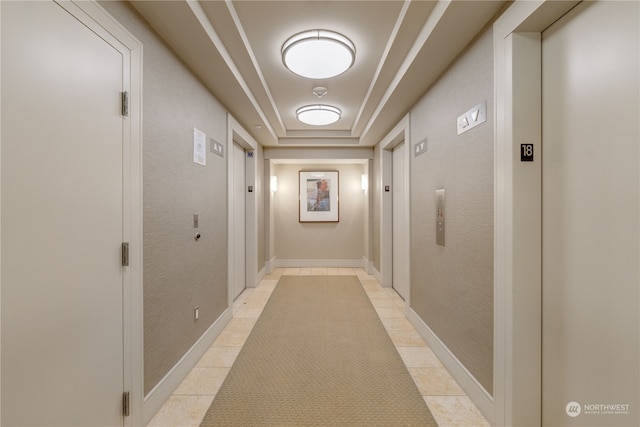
(319,196)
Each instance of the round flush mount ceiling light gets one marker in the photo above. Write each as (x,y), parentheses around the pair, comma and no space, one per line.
(318,115)
(318,54)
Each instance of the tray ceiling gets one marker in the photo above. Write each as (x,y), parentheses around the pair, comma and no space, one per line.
(234,47)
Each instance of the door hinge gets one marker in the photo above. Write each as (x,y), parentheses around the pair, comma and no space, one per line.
(125,254)
(126,402)
(125,104)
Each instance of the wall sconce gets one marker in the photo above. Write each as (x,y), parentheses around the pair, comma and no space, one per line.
(274,183)
(365,182)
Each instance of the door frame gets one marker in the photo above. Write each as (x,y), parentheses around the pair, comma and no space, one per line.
(399,134)
(238,135)
(518,211)
(104,25)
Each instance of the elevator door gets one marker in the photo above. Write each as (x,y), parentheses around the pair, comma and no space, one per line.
(591,216)
(399,280)
(239,220)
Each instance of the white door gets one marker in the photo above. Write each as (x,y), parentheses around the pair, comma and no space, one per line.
(399,281)
(239,220)
(62,221)
(591,216)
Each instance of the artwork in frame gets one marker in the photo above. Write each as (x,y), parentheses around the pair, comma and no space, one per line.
(319,196)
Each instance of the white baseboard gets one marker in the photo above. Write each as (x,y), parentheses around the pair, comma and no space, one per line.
(372,270)
(319,263)
(260,275)
(368,265)
(161,392)
(375,273)
(270,265)
(474,390)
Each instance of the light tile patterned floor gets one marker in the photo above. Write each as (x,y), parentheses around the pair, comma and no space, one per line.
(446,400)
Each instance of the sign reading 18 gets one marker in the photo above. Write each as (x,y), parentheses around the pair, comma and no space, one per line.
(526,152)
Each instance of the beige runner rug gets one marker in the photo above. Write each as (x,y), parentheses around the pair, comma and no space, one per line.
(318,356)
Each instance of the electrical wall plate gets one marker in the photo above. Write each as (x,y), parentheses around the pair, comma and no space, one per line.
(472,118)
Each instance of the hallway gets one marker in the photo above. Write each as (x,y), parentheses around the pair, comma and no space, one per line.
(154,163)
(446,400)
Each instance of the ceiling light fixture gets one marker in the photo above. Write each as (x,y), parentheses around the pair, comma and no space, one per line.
(318,54)
(318,114)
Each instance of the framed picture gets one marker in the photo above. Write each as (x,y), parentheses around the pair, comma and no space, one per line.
(319,196)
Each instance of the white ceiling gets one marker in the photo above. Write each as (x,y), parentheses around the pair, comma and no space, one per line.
(401,48)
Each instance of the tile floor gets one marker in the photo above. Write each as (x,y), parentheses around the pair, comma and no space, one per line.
(446,400)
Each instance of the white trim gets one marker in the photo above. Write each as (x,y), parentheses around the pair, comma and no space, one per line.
(320,263)
(207,26)
(165,388)
(368,265)
(261,274)
(400,133)
(371,270)
(383,61)
(375,273)
(434,17)
(94,11)
(270,265)
(315,155)
(474,390)
(254,62)
(517,256)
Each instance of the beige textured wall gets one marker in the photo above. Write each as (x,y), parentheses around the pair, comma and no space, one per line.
(452,286)
(341,240)
(179,273)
